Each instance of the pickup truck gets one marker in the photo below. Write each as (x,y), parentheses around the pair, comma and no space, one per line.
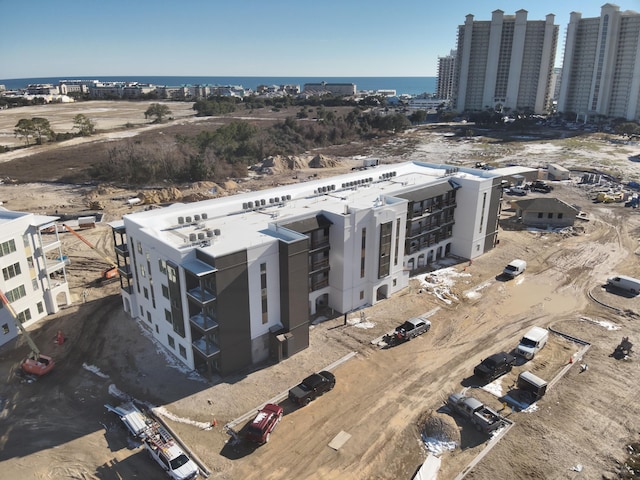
(265,422)
(494,366)
(157,441)
(540,186)
(311,387)
(482,417)
(409,329)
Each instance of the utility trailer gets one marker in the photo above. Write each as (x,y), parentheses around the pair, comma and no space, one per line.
(157,441)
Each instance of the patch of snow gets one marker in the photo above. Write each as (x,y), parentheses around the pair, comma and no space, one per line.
(603,323)
(94,369)
(531,408)
(161,411)
(494,387)
(119,394)
(359,324)
(438,447)
(475,293)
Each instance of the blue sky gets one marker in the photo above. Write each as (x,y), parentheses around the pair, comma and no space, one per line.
(249,37)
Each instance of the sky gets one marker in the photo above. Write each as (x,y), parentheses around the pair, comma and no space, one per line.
(279,38)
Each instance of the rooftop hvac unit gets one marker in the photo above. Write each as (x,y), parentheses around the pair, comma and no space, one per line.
(271,200)
(209,233)
(217,232)
(192,237)
(245,205)
(263,202)
(196,218)
(201,236)
(205,216)
(187,219)
(276,200)
(288,197)
(180,220)
(250,204)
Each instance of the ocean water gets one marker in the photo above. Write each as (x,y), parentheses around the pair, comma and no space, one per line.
(402,85)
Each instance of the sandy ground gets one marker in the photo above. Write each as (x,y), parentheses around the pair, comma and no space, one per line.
(58,427)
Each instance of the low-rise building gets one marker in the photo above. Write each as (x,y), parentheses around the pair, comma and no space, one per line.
(33,270)
(545,212)
(234,281)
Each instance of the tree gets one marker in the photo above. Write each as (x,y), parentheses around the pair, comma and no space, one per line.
(24,128)
(41,128)
(157,110)
(84,125)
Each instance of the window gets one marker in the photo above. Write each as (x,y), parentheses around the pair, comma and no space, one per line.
(149,317)
(25,240)
(361,294)
(7,247)
(263,292)
(163,266)
(142,272)
(16,294)
(5,328)
(146,292)
(183,351)
(157,328)
(34,283)
(141,312)
(165,291)
(559,216)
(167,316)
(363,252)
(24,316)
(539,214)
(484,204)
(171,341)
(30,262)
(11,271)
(40,307)
(550,215)
(139,248)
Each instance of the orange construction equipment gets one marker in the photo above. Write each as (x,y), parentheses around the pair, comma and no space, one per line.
(109,273)
(37,363)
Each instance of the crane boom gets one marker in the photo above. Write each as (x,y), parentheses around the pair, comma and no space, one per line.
(32,344)
(37,363)
(93,247)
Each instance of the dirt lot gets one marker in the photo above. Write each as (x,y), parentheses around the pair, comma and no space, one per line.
(58,427)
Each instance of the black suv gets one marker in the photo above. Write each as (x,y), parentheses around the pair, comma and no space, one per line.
(312,387)
(494,366)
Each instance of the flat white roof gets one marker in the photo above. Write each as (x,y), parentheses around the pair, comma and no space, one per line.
(226,224)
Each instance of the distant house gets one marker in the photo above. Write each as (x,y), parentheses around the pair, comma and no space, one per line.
(545,212)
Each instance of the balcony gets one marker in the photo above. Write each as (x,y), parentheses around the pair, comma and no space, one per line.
(319,244)
(125,271)
(200,296)
(207,348)
(317,285)
(204,323)
(319,265)
(122,250)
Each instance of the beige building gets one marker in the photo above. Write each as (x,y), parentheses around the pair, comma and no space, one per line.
(505,63)
(601,69)
(446,75)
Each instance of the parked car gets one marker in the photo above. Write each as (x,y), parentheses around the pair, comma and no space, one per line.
(311,387)
(265,422)
(627,284)
(517,191)
(494,366)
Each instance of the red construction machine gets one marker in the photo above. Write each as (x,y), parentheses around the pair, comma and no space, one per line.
(36,363)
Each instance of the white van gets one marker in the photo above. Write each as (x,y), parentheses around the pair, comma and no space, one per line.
(532,342)
(515,268)
(628,284)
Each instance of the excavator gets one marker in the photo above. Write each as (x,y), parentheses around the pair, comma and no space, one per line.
(108,274)
(36,363)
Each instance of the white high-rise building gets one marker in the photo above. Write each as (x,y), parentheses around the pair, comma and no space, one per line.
(601,68)
(505,63)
